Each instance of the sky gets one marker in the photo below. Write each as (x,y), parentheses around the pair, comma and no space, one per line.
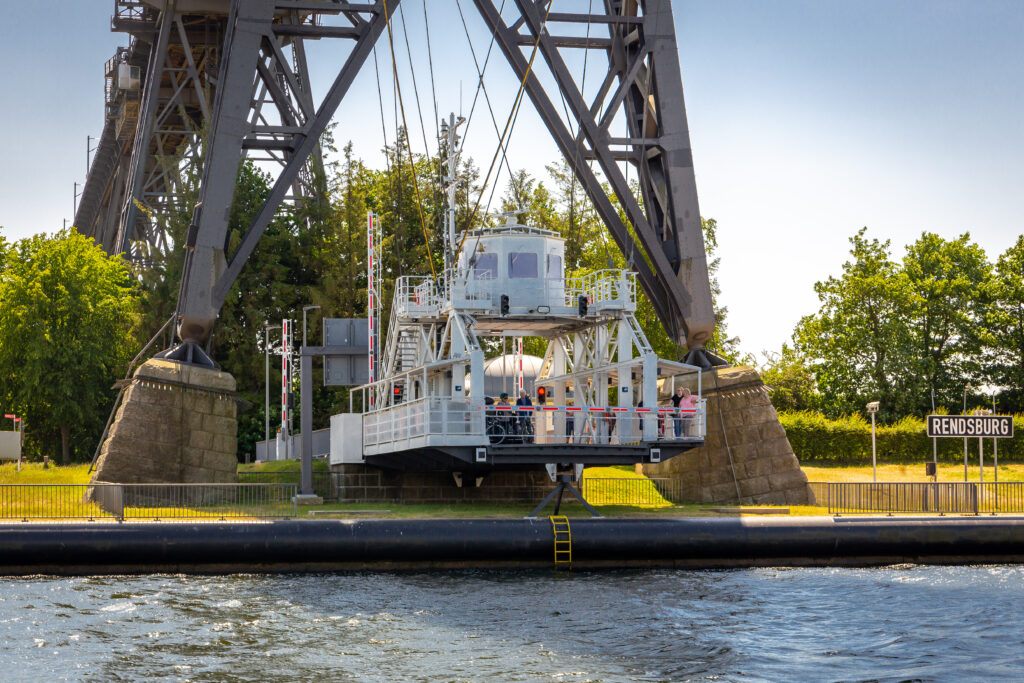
(808,119)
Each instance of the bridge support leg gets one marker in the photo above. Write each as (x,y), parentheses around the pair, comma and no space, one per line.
(564,484)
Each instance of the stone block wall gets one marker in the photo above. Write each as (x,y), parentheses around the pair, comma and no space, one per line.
(758,461)
(360,483)
(176,424)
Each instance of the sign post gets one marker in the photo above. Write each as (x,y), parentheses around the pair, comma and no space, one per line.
(935,447)
(872,409)
(12,446)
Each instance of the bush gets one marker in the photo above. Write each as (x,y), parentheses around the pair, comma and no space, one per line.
(816,438)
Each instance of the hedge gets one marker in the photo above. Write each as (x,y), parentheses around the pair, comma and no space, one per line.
(816,438)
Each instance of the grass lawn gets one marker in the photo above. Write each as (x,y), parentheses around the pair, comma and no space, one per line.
(910,473)
(604,500)
(282,466)
(33,473)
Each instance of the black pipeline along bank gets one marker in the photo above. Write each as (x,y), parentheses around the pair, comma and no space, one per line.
(327,545)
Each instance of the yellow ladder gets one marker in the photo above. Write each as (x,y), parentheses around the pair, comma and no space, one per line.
(563,540)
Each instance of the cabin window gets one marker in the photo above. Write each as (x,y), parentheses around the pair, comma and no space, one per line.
(485,267)
(522,264)
(554,267)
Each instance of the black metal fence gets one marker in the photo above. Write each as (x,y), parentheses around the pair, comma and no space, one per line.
(325,484)
(632,491)
(123,502)
(934,498)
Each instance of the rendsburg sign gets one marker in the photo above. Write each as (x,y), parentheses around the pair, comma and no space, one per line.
(990,426)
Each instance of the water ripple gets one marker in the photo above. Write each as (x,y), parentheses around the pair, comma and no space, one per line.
(897,623)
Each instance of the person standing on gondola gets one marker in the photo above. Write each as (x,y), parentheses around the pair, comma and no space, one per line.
(525,417)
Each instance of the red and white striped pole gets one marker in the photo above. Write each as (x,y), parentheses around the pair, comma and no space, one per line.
(519,364)
(286,378)
(372,301)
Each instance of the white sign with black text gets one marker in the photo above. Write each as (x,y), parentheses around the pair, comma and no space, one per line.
(963,426)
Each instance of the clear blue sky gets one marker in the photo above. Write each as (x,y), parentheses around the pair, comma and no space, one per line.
(809,119)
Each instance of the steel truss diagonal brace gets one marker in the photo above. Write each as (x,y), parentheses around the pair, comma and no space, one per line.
(210,275)
(676,281)
(129,211)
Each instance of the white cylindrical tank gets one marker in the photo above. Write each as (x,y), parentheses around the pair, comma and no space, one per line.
(500,375)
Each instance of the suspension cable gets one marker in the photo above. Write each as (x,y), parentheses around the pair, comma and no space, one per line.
(481,87)
(504,159)
(412,161)
(430,62)
(511,118)
(415,85)
(380,100)
(437,117)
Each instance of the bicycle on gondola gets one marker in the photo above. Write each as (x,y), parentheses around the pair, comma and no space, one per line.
(507,425)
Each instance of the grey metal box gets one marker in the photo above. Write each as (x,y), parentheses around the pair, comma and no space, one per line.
(346,332)
(353,368)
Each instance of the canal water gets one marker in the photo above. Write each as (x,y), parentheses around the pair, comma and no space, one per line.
(896,623)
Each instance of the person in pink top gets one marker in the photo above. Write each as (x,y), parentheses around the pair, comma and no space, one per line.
(682,401)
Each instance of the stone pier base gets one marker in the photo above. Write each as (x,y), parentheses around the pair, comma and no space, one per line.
(762,466)
(176,424)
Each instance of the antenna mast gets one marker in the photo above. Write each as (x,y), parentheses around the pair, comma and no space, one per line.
(448,132)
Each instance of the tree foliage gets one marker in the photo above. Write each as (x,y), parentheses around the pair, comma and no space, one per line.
(859,340)
(67,311)
(790,380)
(939,320)
(948,298)
(1005,324)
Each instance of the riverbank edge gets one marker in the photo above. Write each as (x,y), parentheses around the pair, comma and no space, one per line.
(385,545)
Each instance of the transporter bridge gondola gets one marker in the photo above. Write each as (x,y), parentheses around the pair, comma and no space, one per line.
(425,406)
(599,378)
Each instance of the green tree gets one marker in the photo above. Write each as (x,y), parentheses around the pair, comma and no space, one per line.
(1005,322)
(66,317)
(4,249)
(790,380)
(948,281)
(859,343)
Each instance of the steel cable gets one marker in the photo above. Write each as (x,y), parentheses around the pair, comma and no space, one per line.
(508,124)
(405,125)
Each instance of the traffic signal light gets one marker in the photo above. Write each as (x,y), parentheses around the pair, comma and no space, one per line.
(504,304)
(542,394)
(582,303)
(397,398)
